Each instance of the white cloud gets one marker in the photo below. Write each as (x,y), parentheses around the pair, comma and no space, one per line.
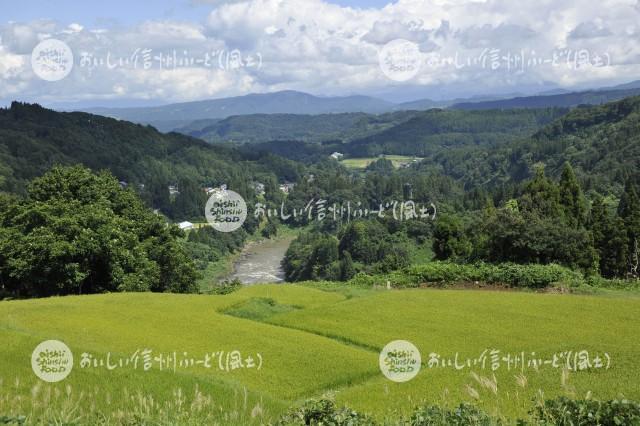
(589,30)
(73,28)
(11,64)
(324,48)
(21,38)
(13,75)
(385,31)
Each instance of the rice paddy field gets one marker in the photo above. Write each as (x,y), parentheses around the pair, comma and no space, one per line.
(363,162)
(296,342)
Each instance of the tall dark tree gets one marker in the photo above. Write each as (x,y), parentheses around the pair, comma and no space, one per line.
(610,240)
(541,196)
(347,270)
(629,212)
(571,198)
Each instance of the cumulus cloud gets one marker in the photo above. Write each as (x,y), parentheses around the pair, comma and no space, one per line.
(589,30)
(320,47)
(11,64)
(385,31)
(503,35)
(21,38)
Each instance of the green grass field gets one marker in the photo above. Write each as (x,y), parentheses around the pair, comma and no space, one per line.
(311,342)
(361,163)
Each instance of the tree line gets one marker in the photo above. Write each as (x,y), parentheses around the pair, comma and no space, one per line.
(549,222)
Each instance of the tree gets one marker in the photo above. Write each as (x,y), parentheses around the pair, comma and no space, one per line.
(534,239)
(312,256)
(270,229)
(324,254)
(78,232)
(347,270)
(449,240)
(158,195)
(600,224)
(381,165)
(610,240)
(541,196)
(362,239)
(634,259)
(190,200)
(629,212)
(571,198)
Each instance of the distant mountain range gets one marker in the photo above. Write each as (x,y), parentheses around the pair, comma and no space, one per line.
(182,115)
(256,128)
(168,117)
(425,104)
(191,115)
(564,100)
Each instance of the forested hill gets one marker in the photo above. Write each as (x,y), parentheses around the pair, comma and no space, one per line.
(430,131)
(477,148)
(256,128)
(602,143)
(564,100)
(33,139)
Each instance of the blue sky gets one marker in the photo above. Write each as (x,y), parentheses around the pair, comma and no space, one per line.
(95,14)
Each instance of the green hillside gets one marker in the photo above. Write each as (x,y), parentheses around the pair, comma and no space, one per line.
(32,139)
(409,133)
(256,128)
(435,130)
(600,142)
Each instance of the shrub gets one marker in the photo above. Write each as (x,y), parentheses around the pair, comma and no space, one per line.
(618,284)
(226,287)
(463,415)
(514,275)
(567,412)
(364,280)
(441,272)
(324,412)
(532,276)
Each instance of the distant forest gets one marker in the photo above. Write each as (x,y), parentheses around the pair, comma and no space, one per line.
(524,186)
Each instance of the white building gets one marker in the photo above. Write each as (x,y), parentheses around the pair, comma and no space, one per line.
(211,190)
(185,225)
(337,155)
(286,187)
(258,188)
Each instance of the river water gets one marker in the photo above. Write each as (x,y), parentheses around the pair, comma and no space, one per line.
(259,262)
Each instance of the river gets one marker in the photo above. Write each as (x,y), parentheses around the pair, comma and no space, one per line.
(259,262)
